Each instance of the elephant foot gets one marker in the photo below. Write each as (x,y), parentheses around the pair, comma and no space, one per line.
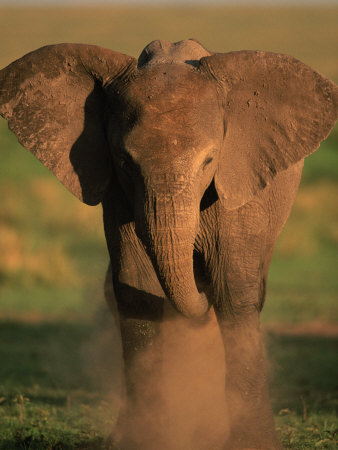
(252,434)
(253,442)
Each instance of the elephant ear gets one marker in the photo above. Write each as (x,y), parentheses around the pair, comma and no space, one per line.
(54,101)
(277,111)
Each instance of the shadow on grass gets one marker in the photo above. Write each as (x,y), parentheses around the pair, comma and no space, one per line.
(53,385)
(303,373)
(47,355)
(49,398)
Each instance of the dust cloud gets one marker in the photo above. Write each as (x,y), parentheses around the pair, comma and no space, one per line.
(179,389)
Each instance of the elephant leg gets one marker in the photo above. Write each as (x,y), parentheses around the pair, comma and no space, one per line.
(139,304)
(141,357)
(251,417)
(241,298)
(238,276)
(241,293)
(244,240)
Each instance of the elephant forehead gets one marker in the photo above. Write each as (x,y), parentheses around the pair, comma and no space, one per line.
(163,88)
(177,117)
(175,114)
(175,111)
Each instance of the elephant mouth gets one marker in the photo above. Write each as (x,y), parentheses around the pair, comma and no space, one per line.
(202,279)
(210,196)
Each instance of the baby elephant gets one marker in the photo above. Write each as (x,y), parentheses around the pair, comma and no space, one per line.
(196,158)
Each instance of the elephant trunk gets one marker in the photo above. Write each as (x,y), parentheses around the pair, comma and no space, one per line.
(171,227)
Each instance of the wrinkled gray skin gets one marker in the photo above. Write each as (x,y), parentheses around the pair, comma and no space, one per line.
(196,158)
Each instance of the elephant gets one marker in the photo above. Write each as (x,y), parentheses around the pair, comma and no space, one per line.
(196,158)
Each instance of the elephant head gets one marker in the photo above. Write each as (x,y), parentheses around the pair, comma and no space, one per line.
(165,128)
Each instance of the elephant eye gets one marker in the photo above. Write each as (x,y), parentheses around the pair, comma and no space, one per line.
(207,161)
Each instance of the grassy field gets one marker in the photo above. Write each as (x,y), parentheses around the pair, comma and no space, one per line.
(60,360)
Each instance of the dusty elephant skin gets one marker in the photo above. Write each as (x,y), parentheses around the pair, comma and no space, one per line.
(196,158)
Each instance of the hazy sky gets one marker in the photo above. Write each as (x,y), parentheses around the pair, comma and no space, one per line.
(167,2)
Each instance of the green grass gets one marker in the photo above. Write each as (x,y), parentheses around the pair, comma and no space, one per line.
(59,366)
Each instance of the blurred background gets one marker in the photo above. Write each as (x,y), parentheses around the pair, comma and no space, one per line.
(53,255)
